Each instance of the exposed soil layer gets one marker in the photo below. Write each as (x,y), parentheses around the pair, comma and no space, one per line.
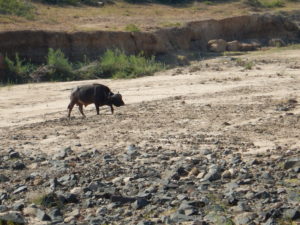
(34,45)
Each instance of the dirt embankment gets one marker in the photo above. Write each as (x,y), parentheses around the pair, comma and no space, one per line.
(193,36)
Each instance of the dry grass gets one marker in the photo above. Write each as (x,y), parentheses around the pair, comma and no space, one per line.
(147,17)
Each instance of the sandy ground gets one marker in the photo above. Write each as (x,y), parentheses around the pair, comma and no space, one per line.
(217,103)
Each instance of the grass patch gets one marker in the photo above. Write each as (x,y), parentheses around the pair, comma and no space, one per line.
(292,181)
(70,2)
(47,200)
(17,70)
(132,28)
(265,3)
(113,64)
(169,24)
(208,3)
(18,8)
(248,65)
(61,67)
(286,221)
(117,64)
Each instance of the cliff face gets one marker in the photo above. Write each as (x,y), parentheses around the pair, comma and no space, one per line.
(34,45)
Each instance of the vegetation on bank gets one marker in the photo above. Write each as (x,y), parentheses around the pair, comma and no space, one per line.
(17,7)
(70,2)
(113,64)
(30,10)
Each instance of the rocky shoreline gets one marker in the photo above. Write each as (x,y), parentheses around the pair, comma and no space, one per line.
(145,185)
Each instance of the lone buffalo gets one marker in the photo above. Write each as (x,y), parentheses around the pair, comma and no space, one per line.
(94,93)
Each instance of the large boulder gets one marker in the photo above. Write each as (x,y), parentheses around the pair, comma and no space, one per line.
(217,45)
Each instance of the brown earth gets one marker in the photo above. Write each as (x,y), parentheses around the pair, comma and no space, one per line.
(248,102)
(116,17)
(194,36)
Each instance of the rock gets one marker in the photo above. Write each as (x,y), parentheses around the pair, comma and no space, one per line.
(196,222)
(194,172)
(68,179)
(270,221)
(51,200)
(121,199)
(233,46)
(253,162)
(9,217)
(276,42)
(293,214)
(242,207)
(175,174)
(75,213)
(291,163)
(140,203)
(102,211)
(146,223)
(262,195)
(14,155)
(18,205)
(293,197)
(132,151)
(70,198)
(216,219)
(41,215)
(231,199)
(3,178)
(20,189)
(63,153)
(248,46)
(244,218)
(3,208)
(76,190)
(218,45)
(18,166)
(177,218)
(212,174)
(226,174)
(30,211)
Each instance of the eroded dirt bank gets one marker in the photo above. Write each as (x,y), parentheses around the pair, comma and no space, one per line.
(34,45)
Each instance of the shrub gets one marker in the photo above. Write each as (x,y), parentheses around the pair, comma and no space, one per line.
(254,3)
(132,28)
(16,71)
(273,4)
(61,67)
(265,3)
(117,64)
(71,2)
(17,7)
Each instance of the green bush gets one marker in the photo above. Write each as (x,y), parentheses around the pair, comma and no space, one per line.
(273,4)
(70,2)
(132,28)
(16,71)
(17,7)
(265,3)
(113,64)
(61,67)
(117,64)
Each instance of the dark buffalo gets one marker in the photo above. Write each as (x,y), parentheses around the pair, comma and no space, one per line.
(94,93)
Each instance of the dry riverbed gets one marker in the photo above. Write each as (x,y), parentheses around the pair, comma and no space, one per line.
(213,141)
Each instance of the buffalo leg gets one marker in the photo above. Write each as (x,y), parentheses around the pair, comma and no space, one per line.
(112,109)
(97,108)
(81,109)
(70,107)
